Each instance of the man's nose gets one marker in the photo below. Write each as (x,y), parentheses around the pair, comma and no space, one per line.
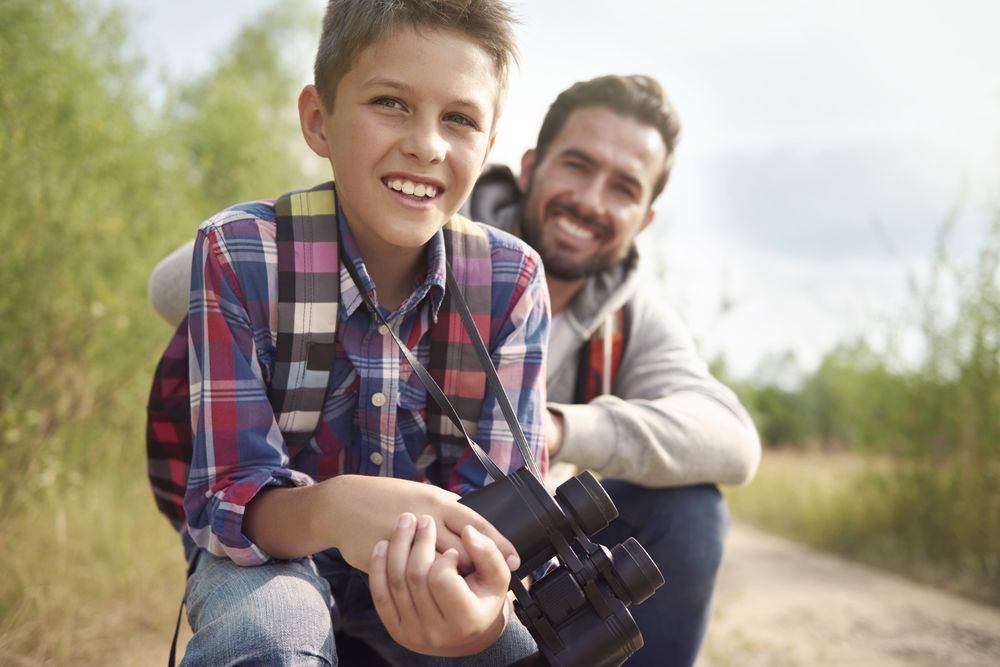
(424,142)
(589,197)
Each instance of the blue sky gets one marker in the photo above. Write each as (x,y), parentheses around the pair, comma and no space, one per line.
(823,143)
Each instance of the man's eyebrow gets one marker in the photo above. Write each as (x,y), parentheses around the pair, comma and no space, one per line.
(583,156)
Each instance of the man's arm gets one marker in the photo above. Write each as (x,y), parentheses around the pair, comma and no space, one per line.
(668,422)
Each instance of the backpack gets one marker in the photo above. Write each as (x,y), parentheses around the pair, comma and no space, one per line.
(306,242)
(600,357)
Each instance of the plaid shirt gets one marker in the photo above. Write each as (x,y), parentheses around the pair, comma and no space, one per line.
(373,418)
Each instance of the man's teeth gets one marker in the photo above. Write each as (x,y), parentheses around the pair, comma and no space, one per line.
(574,230)
(411,188)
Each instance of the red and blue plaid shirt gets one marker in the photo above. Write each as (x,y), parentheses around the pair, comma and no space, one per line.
(373,419)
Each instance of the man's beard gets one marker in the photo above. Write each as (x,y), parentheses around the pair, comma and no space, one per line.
(557,266)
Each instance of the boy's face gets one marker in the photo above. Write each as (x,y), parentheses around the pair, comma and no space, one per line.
(411,126)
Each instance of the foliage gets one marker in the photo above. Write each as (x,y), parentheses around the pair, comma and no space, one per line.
(97,186)
(935,425)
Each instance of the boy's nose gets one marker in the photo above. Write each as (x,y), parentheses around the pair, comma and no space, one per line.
(425,143)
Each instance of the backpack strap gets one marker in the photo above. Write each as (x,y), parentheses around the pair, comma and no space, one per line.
(600,357)
(454,364)
(308,303)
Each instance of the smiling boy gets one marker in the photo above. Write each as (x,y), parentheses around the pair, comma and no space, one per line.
(404,107)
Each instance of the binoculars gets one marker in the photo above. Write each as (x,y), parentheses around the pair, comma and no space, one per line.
(576,611)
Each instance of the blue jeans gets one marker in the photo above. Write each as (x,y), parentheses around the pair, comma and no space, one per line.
(683,529)
(285,613)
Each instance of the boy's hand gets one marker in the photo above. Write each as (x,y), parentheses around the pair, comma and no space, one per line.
(424,601)
(368,509)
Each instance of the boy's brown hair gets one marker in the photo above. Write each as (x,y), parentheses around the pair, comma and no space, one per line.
(350,26)
(638,96)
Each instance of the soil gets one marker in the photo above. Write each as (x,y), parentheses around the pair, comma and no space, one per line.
(779,604)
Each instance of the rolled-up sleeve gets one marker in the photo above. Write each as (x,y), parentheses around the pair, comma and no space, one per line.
(238,448)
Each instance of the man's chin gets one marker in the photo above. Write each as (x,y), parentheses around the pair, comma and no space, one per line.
(563,269)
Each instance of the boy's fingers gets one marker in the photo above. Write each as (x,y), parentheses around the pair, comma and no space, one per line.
(449,589)
(397,559)
(378,582)
(492,570)
(422,557)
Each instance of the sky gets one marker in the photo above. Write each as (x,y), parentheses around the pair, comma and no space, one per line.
(823,145)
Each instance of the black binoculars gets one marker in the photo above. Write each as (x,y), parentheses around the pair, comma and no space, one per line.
(577,610)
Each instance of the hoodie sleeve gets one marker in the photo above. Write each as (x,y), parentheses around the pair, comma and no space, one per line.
(668,422)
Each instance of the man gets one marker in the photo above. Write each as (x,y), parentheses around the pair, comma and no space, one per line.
(629,397)
(666,432)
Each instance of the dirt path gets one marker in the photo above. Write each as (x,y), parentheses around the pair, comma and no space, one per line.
(780,604)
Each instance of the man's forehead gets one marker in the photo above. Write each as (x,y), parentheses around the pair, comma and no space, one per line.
(606,136)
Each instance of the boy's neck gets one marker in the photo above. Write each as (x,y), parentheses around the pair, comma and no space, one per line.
(395,271)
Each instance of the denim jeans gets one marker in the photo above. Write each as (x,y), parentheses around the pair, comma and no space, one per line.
(684,530)
(285,612)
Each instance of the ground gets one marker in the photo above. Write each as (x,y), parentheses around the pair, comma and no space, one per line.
(780,604)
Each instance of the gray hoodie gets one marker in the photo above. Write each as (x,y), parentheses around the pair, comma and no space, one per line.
(666,420)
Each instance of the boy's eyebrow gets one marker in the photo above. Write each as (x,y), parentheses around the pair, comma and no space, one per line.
(406,89)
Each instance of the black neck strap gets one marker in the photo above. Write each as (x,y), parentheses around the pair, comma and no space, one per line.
(435,390)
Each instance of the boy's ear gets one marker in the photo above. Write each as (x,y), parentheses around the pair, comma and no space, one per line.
(312,120)
(527,170)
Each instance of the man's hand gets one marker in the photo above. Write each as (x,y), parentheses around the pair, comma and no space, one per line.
(425,602)
(554,431)
(367,510)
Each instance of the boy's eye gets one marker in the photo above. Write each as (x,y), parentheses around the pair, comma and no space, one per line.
(388,102)
(461,119)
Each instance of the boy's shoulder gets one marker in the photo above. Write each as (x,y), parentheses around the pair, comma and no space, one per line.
(258,212)
(504,246)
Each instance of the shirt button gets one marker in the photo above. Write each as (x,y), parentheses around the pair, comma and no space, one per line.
(382,329)
(378,399)
(376,458)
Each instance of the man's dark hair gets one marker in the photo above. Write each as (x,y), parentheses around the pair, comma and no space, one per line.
(638,96)
(350,26)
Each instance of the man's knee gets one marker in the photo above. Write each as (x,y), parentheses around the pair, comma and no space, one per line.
(683,528)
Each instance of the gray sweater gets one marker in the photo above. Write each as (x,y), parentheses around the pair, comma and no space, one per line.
(666,422)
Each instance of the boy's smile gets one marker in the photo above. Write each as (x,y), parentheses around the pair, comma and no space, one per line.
(411,126)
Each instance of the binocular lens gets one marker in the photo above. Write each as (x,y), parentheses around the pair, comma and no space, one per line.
(587,501)
(636,571)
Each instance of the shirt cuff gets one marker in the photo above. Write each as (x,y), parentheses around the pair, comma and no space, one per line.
(588,436)
(224,536)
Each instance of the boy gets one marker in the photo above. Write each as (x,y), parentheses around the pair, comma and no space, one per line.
(404,106)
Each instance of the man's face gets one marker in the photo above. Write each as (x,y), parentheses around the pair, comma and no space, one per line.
(590,195)
(410,129)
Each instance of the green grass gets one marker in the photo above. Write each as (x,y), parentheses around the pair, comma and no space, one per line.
(873,510)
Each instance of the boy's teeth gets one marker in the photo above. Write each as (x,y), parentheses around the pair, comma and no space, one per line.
(411,188)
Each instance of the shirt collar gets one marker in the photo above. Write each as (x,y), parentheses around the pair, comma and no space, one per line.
(432,286)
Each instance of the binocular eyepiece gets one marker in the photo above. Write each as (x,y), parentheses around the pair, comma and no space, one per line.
(576,611)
